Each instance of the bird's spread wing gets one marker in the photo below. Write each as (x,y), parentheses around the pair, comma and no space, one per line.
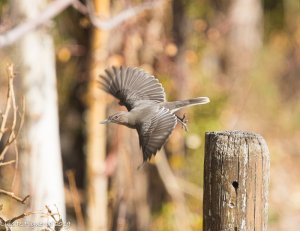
(154,133)
(130,85)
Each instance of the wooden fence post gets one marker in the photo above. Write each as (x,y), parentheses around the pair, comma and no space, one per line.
(236,179)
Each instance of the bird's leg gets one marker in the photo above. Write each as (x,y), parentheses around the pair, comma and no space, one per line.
(183,121)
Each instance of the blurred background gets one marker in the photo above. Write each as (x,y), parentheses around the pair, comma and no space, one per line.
(243,55)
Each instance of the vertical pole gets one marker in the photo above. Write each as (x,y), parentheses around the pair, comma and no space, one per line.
(236,179)
(96,180)
(41,172)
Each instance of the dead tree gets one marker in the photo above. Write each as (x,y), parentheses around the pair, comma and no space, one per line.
(41,166)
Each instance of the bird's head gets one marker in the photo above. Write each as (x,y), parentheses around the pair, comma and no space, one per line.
(118,118)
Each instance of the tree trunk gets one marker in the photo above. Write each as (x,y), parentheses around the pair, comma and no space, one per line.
(96,134)
(41,169)
(243,45)
(245,35)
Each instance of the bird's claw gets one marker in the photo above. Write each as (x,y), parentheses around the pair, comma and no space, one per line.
(183,121)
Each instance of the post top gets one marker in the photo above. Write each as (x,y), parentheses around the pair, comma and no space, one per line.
(235,133)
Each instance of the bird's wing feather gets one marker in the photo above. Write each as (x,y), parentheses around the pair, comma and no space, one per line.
(154,133)
(130,85)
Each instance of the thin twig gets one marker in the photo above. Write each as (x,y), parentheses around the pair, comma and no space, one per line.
(13,196)
(58,222)
(16,165)
(22,117)
(12,220)
(11,76)
(8,223)
(8,102)
(7,163)
(75,199)
(174,190)
(5,225)
(11,101)
(190,188)
(11,95)
(168,178)
(80,7)
(6,146)
(51,213)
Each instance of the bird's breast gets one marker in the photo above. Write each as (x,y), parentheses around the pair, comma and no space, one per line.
(142,114)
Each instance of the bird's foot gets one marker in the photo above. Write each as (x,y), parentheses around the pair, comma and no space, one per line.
(183,121)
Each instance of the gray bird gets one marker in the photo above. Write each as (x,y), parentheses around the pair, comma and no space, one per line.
(148,111)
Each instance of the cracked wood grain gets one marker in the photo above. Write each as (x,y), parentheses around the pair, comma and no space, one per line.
(236,180)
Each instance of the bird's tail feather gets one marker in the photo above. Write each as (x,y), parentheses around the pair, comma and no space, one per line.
(176,105)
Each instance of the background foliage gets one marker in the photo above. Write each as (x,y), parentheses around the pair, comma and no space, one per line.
(186,44)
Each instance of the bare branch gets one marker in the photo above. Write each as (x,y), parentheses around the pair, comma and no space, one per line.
(75,199)
(13,196)
(80,7)
(168,178)
(174,190)
(10,96)
(119,18)
(56,7)
(50,12)
(11,102)
(190,188)
(8,101)
(16,164)
(22,116)
(12,220)
(50,213)
(9,222)
(59,221)
(7,163)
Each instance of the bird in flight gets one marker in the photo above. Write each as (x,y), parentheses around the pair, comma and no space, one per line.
(148,111)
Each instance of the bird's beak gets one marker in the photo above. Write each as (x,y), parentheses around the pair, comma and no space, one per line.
(105,121)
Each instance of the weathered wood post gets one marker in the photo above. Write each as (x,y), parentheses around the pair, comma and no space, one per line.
(236,179)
